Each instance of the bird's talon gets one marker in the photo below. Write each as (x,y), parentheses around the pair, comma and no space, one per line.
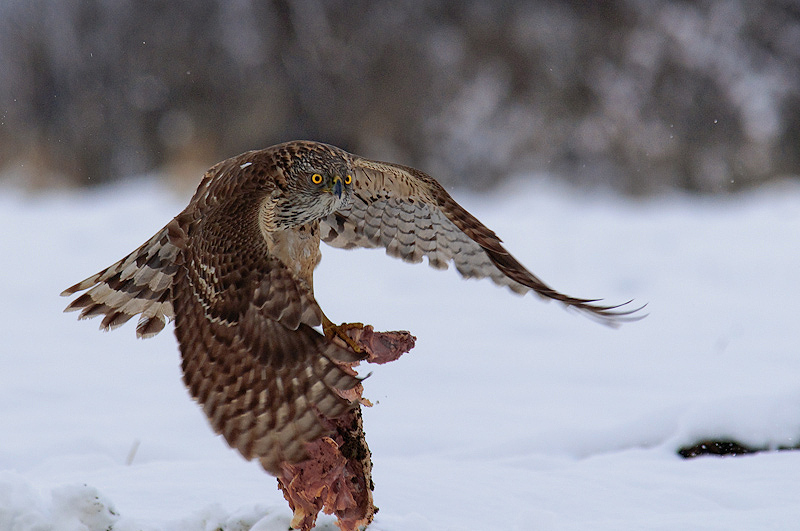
(332,330)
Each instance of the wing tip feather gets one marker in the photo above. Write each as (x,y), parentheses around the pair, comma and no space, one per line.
(81,286)
(150,326)
(613,316)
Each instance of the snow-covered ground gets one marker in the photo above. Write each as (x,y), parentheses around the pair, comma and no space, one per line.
(509,414)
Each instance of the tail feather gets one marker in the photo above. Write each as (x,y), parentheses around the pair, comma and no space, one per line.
(139,284)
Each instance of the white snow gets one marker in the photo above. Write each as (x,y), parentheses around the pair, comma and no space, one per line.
(509,414)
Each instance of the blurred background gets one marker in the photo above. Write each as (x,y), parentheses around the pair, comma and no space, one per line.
(637,96)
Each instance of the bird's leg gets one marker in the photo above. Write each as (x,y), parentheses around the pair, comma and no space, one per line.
(332,330)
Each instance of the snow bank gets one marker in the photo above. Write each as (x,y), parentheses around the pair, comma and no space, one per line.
(509,413)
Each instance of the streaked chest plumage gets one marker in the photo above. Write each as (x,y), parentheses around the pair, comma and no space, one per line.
(298,249)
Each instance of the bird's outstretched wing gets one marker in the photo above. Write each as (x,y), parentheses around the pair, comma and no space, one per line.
(409,213)
(265,377)
(139,284)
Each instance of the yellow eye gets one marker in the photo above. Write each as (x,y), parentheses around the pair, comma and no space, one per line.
(348,179)
(316,178)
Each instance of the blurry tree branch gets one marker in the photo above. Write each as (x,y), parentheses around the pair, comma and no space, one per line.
(637,95)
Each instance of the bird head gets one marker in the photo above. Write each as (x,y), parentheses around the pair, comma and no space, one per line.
(319,180)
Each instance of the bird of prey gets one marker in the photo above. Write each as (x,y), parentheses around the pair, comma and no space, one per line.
(235,272)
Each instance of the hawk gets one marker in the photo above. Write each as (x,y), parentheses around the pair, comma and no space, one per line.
(235,272)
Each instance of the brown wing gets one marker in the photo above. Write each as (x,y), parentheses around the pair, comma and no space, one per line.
(265,377)
(407,212)
(138,284)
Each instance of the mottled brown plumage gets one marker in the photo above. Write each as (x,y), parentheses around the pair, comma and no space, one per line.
(235,272)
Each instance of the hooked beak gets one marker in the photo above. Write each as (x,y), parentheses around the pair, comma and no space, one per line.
(338,186)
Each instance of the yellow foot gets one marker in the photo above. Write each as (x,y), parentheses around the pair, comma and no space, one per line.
(331,330)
